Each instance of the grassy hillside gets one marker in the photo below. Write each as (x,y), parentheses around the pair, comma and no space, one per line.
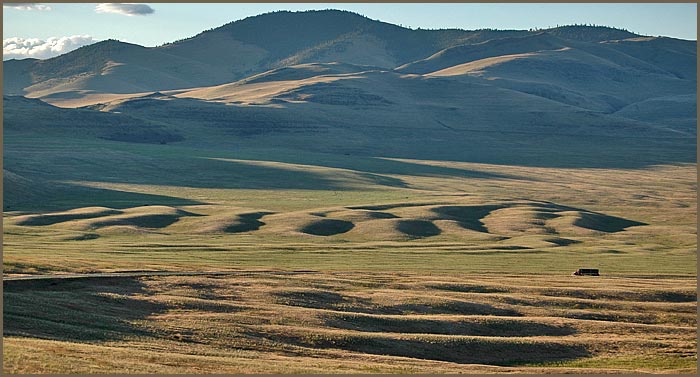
(471,52)
(376,113)
(117,67)
(24,116)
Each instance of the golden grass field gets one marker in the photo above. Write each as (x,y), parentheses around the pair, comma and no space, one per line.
(351,322)
(450,274)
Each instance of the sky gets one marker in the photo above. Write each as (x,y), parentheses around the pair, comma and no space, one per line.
(45,30)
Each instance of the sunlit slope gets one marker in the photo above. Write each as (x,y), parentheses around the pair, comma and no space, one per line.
(491,48)
(578,70)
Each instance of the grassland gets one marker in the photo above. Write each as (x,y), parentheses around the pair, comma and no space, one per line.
(125,206)
(343,263)
(351,322)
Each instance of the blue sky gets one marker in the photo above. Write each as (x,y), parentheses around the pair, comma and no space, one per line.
(33,25)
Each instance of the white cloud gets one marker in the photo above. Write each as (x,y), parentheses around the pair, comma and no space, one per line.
(26,6)
(20,48)
(127,9)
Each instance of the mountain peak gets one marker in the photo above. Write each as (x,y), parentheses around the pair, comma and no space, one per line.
(335,14)
(106,47)
(590,33)
(284,32)
(111,44)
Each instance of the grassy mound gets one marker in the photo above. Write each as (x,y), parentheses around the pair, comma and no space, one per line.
(91,218)
(60,217)
(556,324)
(519,220)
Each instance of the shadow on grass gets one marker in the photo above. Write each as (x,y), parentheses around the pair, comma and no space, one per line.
(59,218)
(247,222)
(321,299)
(143,221)
(493,327)
(70,196)
(417,228)
(85,310)
(328,227)
(596,220)
(503,352)
(468,217)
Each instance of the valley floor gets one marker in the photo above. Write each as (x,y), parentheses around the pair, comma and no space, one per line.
(343,264)
(351,322)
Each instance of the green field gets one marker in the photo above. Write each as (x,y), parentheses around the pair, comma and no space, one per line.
(401,265)
(175,207)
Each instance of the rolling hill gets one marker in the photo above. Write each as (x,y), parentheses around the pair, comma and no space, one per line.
(50,120)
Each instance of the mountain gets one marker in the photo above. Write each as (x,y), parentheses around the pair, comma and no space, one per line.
(109,67)
(287,38)
(230,52)
(246,47)
(337,82)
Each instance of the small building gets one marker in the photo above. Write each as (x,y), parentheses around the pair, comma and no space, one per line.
(587,272)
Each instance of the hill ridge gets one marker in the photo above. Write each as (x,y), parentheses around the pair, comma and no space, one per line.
(254,45)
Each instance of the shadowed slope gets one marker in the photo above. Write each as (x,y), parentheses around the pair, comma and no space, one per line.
(117,67)
(30,116)
(54,218)
(115,304)
(468,217)
(471,52)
